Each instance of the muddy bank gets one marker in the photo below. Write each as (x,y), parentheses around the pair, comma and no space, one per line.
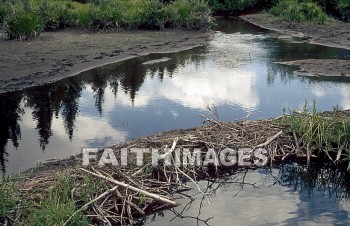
(324,68)
(56,55)
(333,33)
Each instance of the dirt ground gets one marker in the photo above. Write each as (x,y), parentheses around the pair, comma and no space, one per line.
(325,68)
(56,55)
(333,34)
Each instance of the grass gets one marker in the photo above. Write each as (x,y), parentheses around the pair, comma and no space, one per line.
(321,132)
(23,26)
(27,18)
(58,206)
(7,200)
(299,11)
(52,204)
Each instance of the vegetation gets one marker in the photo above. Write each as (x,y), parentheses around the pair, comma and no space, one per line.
(299,11)
(52,204)
(7,200)
(25,19)
(59,204)
(238,6)
(23,26)
(322,133)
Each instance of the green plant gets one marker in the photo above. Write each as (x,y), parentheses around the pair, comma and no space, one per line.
(54,15)
(82,14)
(299,11)
(108,14)
(320,132)
(23,26)
(58,206)
(143,13)
(10,201)
(7,200)
(233,6)
(3,12)
(189,14)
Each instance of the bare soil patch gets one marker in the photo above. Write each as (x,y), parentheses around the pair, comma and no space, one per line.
(56,55)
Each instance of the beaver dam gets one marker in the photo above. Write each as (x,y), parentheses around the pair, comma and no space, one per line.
(113,194)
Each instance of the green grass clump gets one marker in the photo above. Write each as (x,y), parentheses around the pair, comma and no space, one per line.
(190,14)
(320,132)
(58,206)
(51,204)
(54,15)
(10,200)
(143,13)
(7,200)
(23,26)
(108,14)
(299,11)
(82,14)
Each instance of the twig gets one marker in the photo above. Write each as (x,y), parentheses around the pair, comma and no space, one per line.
(268,141)
(141,169)
(92,201)
(127,186)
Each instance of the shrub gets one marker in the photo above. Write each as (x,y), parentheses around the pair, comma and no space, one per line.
(232,6)
(54,15)
(4,11)
(299,11)
(343,9)
(189,14)
(23,26)
(82,14)
(107,15)
(143,13)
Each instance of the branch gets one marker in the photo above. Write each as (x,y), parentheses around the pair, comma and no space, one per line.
(127,186)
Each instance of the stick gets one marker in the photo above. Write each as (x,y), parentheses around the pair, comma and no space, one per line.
(340,150)
(92,201)
(141,169)
(146,193)
(130,203)
(270,140)
(163,156)
(296,141)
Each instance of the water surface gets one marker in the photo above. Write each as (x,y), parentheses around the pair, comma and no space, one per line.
(291,195)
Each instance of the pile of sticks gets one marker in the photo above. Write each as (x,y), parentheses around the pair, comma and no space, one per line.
(135,191)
